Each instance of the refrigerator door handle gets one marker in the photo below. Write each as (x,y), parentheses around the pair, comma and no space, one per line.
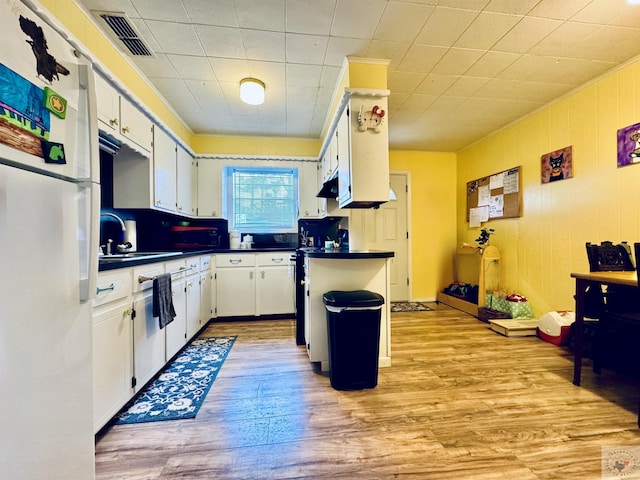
(88,238)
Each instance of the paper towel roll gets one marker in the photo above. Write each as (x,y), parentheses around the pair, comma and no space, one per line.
(130,234)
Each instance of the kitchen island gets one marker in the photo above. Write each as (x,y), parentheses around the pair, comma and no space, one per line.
(346,270)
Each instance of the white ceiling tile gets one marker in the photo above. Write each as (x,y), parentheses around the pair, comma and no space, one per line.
(309,16)
(308,75)
(367,12)
(468,4)
(527,33)
(630,18)
(558,9)
(405,81)
(221,41)
(339,48)
(263,15)
(229,69)
(492,63)
(212,12)
(329,77)
(177,38)
(392,51)
(192,68)
(519,7)
(436,84)
(445,25)
(261,45)
(466,86)
(401,22)
(601,11)
(158,66)
(310,49)
(457,60)
(486,30)
(167,10)
(555,44)
(421,58)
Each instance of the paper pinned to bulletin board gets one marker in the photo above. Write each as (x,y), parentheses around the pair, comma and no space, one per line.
(493,197)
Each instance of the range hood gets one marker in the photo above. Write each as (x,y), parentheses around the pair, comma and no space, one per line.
(329,188)
(108,143)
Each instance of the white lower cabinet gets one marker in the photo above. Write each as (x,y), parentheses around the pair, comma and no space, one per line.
(176,331)
(148,338)
(193,296)
(250,284)
(275,285)
(112,342)
(235,285)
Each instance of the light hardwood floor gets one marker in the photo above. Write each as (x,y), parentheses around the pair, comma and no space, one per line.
(458,402)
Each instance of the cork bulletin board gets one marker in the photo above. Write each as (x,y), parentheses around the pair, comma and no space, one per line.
(495,196)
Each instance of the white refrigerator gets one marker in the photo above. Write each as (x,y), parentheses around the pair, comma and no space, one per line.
(49,226)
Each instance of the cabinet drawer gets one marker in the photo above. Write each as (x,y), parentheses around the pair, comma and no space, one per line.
(143,275)
(235,260)
(177,268)
(273,259)
(193,265)
(205,263)
(112,286)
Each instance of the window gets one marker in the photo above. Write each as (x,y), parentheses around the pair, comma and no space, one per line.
(261,199)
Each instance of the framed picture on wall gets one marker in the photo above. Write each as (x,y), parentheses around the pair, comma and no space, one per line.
(629,145)
(557,165)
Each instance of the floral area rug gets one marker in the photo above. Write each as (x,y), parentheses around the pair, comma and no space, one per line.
(409,307)
(180,389)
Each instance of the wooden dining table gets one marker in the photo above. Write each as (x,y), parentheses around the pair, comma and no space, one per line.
(583,281)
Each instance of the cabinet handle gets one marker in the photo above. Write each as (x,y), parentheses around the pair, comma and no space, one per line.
(251,274)
(99,290)
(235,261)
(113,122)
(125,129)
(277,260)
(262,274)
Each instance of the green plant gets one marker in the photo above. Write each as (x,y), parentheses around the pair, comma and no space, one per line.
(485,234)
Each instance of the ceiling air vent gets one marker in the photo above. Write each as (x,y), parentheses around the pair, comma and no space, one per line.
(121,28)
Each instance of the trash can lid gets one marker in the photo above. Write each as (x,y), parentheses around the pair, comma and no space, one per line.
(355,298)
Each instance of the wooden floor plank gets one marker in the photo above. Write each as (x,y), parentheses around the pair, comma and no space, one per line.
(459,401)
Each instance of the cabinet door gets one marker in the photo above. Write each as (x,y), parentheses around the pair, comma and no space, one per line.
(176,331)
(275,290)
(193,305)
(185,166)
(206,308)
(108,103)
(344,158)
(209,190)
(134,125)
(164,158)
(309,204)
(236,291)
(112,362)
(148,340)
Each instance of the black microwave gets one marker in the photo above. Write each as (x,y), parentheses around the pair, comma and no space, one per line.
(194,238)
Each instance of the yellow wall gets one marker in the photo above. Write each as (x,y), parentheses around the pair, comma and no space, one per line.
(433,213)
(601,202)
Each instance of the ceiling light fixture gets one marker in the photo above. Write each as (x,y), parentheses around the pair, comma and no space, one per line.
(252,91)
(634,2)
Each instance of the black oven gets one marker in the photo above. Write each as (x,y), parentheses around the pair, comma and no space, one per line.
(299,291)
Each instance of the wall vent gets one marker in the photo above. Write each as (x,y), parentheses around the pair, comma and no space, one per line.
(120,28)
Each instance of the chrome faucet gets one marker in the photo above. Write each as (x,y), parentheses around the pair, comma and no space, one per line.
(109,214)
(120,247)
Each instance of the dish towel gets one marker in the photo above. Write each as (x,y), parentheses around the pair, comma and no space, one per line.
(163,300)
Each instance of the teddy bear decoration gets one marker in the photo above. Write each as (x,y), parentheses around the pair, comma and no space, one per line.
(371,119)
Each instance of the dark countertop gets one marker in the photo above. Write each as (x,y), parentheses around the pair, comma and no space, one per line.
(106,263)
(346,254)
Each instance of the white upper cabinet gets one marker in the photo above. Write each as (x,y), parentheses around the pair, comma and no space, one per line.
(120,118)
(186,183)
(309,204)
(209,188)
(164,159)
(363,152)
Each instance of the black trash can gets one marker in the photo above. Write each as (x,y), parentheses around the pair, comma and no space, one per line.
(353,330)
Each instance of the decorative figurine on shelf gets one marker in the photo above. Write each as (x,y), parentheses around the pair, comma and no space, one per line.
(371,119)
(483,238)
